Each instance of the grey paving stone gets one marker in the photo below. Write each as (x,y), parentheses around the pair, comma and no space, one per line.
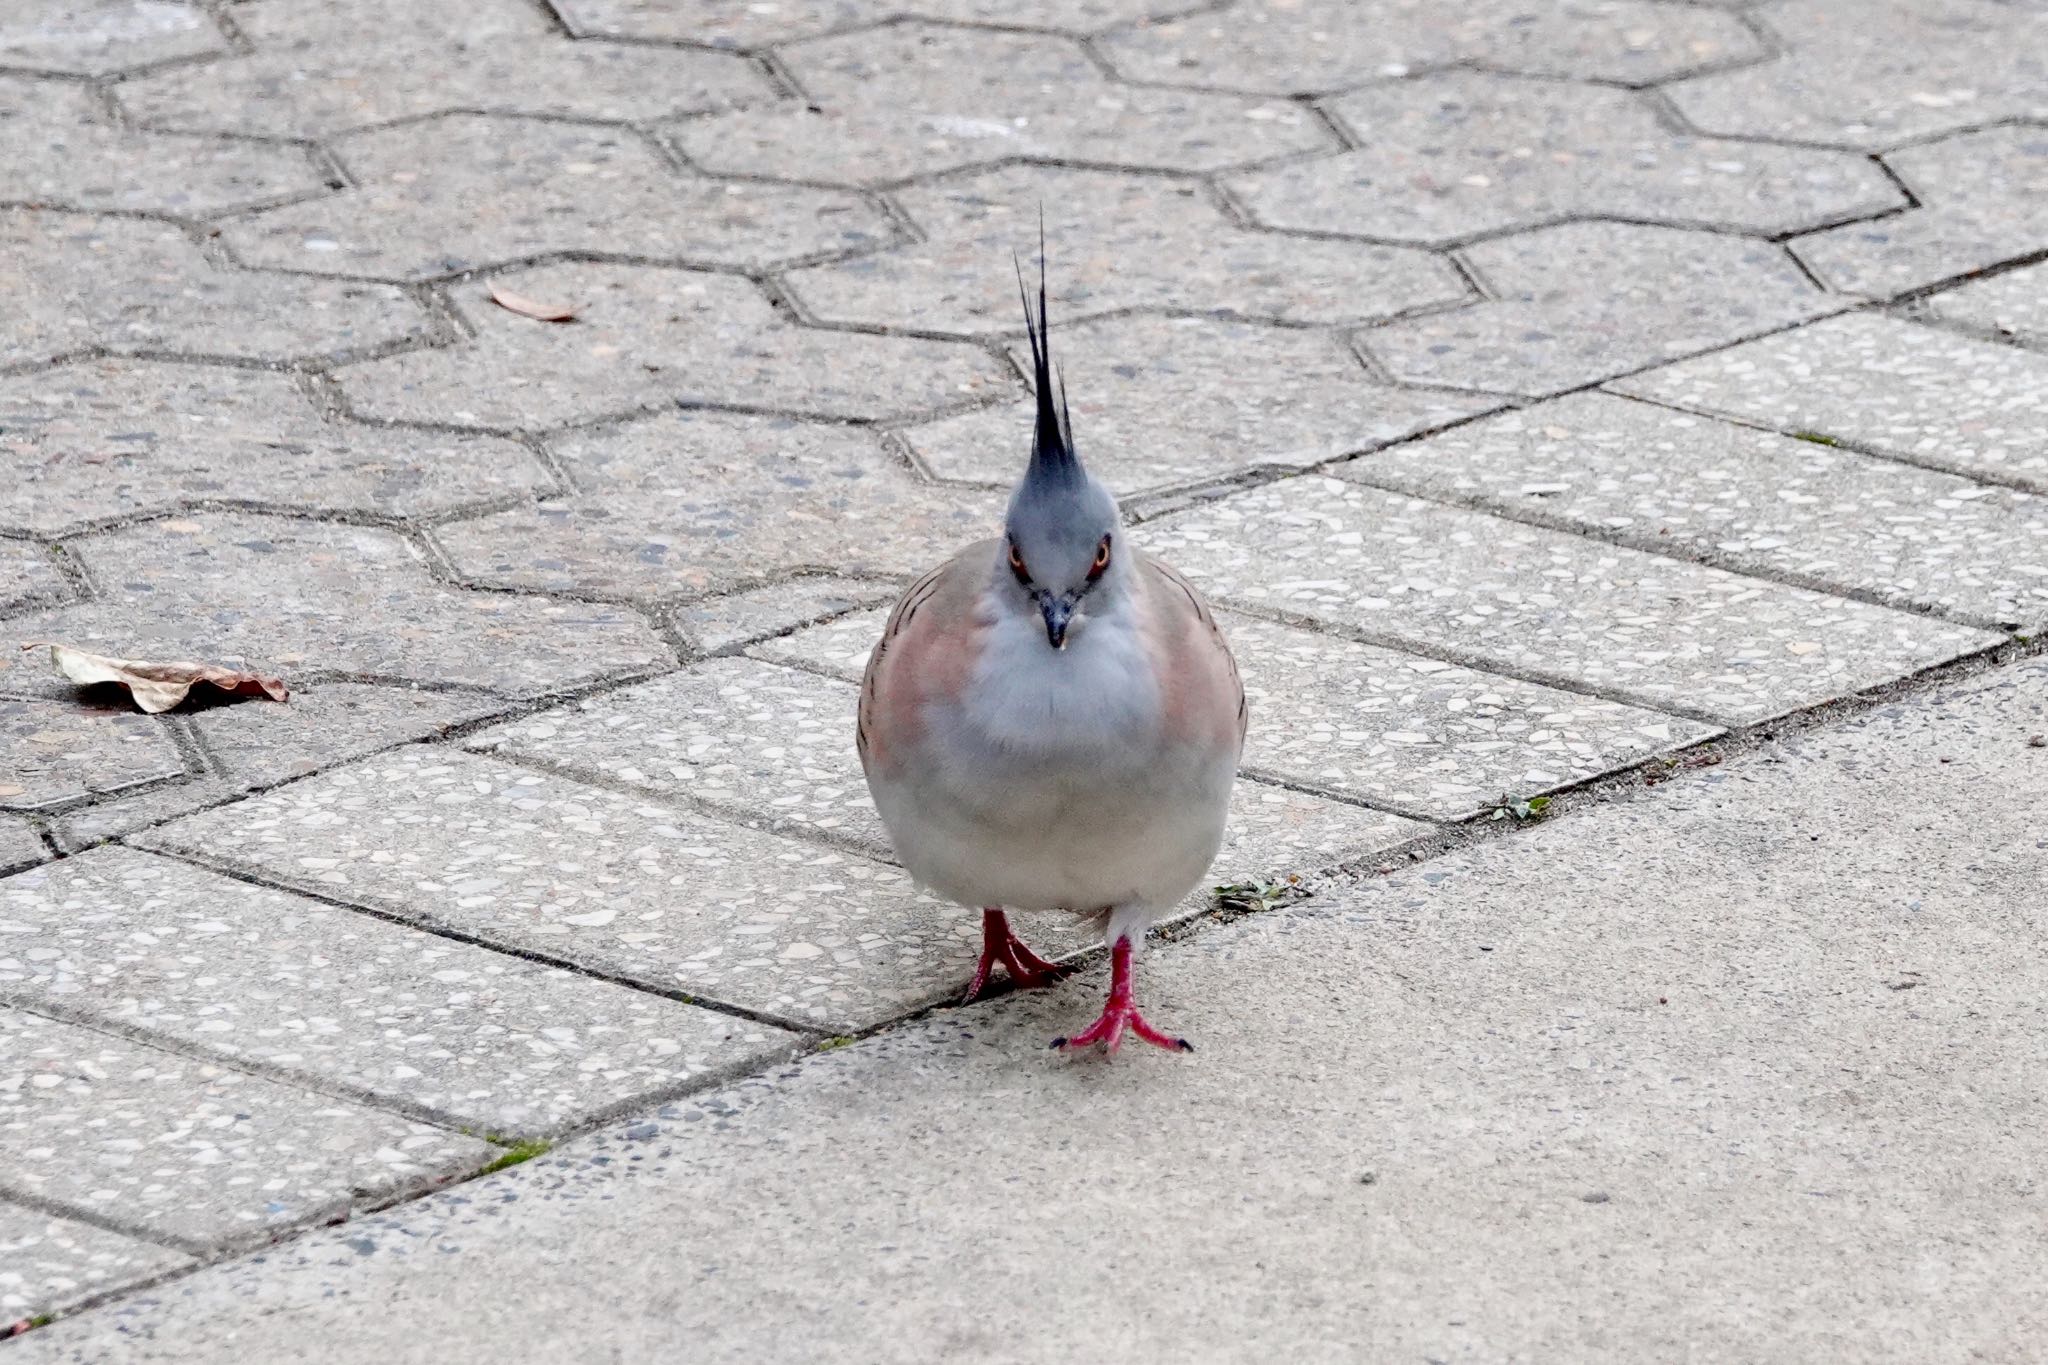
(49,1264)
(128,285)
(646,336)
(1754,500)
(53,753)
(749,23)
(884,104)
(96,37)
(1659,631)
(1873,73)
(2014,304)
(101,439)
(839,647)
(1167,402)
(654,894)
(1115,242)
(19,844)
(469,191)
(1982,197)
(1273,832)
(738,618)
(321,69)
(686,503)
(1586,301)
(1316,46)
(1898,388)
(28,574)
(190,1150)
(1463,153)
(59,151)
(286,596)
(249,745)
(469,1037)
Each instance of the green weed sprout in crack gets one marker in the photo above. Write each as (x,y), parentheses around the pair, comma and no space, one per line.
(1245,898)
(525,1149)
(1521,809)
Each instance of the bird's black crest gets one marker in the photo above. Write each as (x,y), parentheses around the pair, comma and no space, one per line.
(1052,440)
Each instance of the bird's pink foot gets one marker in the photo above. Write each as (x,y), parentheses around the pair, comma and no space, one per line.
(999,944)
(1120,1015)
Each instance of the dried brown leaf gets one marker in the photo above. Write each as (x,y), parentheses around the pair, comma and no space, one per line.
(526,307)
(157,687)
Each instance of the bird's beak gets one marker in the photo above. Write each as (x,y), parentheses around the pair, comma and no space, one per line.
(1057,612)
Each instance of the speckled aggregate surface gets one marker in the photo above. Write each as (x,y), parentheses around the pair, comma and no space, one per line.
(49,1264)
(2012,304)
(59,752)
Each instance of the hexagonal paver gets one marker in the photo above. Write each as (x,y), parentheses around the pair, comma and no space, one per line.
(112,438)
(1873,73)
(2014,304)
(911,99)
(321,69)
(53,753)
(1544,604)
(1462,153)
(53,1264)
(190,1150)
(28,575)
(694,502)
(95,37)
(839,647)
(284,596)
(1751,499)
(469,191)
(1915,393)
(1587,301)
(327,996)
(19,843)
(1114,242)
(127,285)
(750,23)
(645,336)
(648,893)
(1982,194)
(1166,402)
(1315,46)
(715,623)
(57,150)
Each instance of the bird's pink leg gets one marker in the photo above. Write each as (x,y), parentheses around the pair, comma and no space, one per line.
(999,944)
(1120,1014)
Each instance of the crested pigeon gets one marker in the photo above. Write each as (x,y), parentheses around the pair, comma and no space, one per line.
(1052,721)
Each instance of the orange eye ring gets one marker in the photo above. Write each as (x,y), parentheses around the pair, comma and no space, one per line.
(1101,558)
(1017,564)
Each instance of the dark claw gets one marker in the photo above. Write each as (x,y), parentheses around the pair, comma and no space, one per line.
(1184,1045)
(1058,1043)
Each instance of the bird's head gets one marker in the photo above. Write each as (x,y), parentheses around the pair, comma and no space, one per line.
(1061,556)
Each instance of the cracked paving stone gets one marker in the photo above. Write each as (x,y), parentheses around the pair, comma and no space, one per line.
(1586,301)
(1981,195)
(749,23)
(1660,632)
(1921,394)
(1168,402)
(889,103)
(57,150)
(49,1264)
(655,895)
(285,596)
(54,753)
(1873,73)
(189,1149)
(1115,242)
(469,191)
(739,618)
(686,503)
(320,69)
(1316,46)
(28,575)
(1464,153)
(96,37)
(2014,304)
(1758,501)
(250,746)
(646,336)
(332,997)
(127,285)
(19,844)
(97,440)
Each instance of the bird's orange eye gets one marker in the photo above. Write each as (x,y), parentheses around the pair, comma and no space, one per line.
(1101,559)
(1017,564)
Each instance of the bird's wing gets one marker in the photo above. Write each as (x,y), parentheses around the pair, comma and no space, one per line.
(1199,683)
(927,649)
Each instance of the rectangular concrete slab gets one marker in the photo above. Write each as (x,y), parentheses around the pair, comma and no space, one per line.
(1751,500)
(49,1264)
(1657,631)
(189,1150)
(447,1031)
